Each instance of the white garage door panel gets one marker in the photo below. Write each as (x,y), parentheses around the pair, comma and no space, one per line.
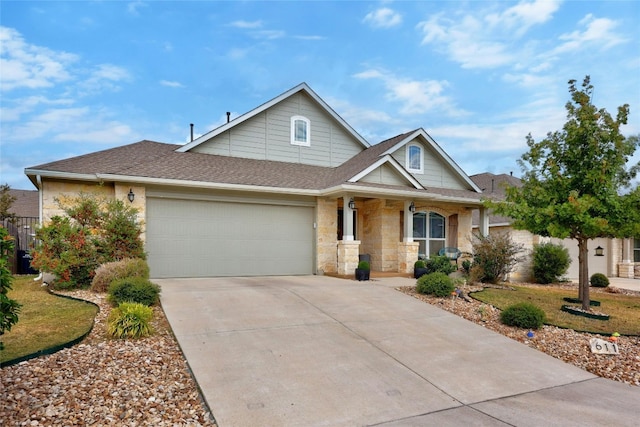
(187,238)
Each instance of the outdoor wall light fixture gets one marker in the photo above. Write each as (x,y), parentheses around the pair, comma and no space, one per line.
(412,207)
(131,196)
(599,251)
(352,204)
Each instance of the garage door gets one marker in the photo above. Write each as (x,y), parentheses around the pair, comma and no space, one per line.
(187,238)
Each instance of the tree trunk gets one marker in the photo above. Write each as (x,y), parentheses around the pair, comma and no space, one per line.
(583,273)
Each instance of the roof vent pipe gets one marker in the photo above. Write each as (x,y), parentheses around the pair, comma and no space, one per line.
(493,185)
(191,125)
(228,116)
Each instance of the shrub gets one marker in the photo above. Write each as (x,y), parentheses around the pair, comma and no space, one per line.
(133,289)
(68,251)
(94,231)
(9,308)
(523,315)
(440,264)
(466,266)
(364,265)
(130,320)
(110,271)
(599,280)
(550,262)
(438,284)
(419,264)
(494,257)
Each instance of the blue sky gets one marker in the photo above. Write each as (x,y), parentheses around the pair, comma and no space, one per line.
(478,76)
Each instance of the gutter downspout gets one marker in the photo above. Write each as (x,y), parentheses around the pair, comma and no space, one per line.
(40,199)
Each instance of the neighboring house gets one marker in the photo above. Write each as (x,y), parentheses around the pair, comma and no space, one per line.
(287,188)
(621,257)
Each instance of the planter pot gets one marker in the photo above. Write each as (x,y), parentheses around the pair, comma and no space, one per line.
(577,301)
(419,272)
(362,274)
(578,312)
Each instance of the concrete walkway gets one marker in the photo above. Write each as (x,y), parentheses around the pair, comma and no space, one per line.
(322,351)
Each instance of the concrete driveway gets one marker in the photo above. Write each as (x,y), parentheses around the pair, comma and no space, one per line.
(321,351)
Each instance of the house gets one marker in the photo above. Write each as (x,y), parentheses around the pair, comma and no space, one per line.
(621,257)
(287,188)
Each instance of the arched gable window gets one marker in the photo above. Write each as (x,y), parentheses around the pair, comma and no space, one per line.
(415,158)
(430,232)
(300,131)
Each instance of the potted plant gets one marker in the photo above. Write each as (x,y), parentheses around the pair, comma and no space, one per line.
(419,269)
(363,270)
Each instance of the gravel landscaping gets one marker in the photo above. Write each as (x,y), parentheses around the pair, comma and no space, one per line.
(564,344)
(101,381)
(147,382)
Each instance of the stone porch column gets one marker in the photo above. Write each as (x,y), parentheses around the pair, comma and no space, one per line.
(626,267)
(348,251)
(407,256)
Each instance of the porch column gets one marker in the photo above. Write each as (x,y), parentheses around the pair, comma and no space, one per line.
(348,251)
(626,267)
(408,223)
(484,221)
(347,219)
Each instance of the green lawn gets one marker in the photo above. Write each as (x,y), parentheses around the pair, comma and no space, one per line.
(44,321)
(624,310)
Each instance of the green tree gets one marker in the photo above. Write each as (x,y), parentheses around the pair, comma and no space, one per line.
(9,308)
(577,182)
(6,200)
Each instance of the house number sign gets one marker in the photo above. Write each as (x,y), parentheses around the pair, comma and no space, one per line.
(600,346)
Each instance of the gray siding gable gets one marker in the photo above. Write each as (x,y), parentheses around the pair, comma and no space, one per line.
(439,170)
(387,175)
(265,133)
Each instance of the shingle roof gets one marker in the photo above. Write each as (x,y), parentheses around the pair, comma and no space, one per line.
(493,187)
(156,160)
(25,204)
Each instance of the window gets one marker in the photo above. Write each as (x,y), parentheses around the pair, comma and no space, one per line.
(636,250)
(414,158)
(300,131)
(429,231)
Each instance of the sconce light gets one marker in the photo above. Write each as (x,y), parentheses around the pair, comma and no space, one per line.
(131,196)
(352,204)
(412,207)
(599,251)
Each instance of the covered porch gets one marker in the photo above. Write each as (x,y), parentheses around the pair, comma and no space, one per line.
(393,231)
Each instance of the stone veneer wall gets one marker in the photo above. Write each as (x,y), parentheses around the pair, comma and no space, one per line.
(327,237)
(67,190)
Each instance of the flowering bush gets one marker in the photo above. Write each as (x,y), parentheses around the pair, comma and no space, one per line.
(95,231)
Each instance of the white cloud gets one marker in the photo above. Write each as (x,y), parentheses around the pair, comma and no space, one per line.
(598,32)
(524,15)
(486,39)
(104,77)
(29,66)
(135,6)
(383,18)
(415,96)
(170,83)
(246,24)
(466,42)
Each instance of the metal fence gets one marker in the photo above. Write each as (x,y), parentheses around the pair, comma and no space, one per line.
(23,230)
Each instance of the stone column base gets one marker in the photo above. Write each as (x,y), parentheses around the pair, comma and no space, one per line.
(348,251)
(625,269)
(407,256)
